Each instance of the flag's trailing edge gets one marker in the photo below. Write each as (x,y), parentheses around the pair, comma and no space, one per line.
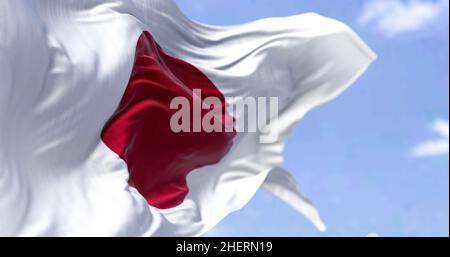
(83,93)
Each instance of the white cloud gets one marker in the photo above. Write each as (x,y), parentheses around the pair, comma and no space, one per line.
(435,147)
(392,17)
(373,235)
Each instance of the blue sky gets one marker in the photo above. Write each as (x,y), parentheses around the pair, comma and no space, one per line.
(375,160)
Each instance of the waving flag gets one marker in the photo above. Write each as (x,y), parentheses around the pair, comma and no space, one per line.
(86,145)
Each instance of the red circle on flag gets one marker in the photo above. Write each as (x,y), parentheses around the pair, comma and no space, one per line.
(159,159)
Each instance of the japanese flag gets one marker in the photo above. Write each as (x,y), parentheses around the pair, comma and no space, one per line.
(86,94)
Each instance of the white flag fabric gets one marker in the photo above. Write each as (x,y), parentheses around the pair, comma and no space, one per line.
(83,147)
